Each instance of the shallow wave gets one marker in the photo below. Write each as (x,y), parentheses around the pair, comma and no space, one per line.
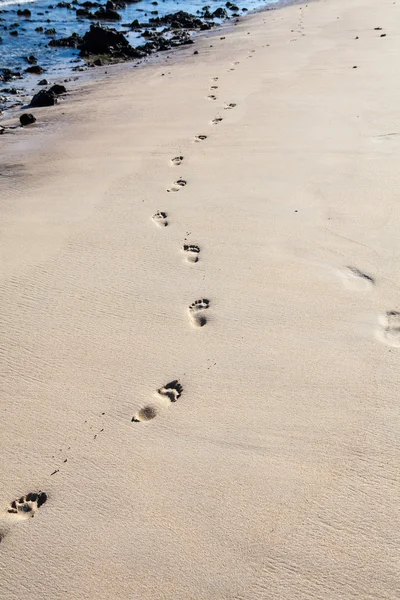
(8,2)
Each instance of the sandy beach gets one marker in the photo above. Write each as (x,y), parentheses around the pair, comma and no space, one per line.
(245,295)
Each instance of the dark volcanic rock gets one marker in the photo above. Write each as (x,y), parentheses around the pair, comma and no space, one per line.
(220,13)
(116,5)
(35,69)
(106,14)
(32,60)
(43,98)
(24,13)
(26,119)
(43,82)
(9,75)
(181,20)
(73,41)
(84,13)
(102,40)
(58,89)
(89,4)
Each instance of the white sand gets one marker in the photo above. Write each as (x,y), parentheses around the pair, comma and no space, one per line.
(275,476)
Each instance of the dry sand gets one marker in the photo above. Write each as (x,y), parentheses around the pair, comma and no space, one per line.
(275,474)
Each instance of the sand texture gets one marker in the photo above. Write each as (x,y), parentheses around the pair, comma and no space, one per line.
(200,322)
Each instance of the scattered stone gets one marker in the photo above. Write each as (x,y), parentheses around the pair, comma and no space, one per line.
(32,60)
(43,82)
(102,40)
(24,13)
(73,41)
(9,75)
(58,89)
(26,119)
(35,69)
(220,13)
(43,98)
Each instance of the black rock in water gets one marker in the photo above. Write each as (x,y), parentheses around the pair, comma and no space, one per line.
(220,13)
(43,98)
(73,41)
(106,14)
(181,20)
(43,82)
(32,60)
(26,119)
(9,75)
(102,40)
(35,69)
(24,13)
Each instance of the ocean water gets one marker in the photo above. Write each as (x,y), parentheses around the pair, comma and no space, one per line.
(58,61)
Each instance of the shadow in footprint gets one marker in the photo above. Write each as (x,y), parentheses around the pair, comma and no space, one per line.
(196,312)
(356,280)
(167,394)
(180,183)
(27,505)
(216,120)
(230,106)
(389,330)
(200,138)
(177,160)
(192,252)
(160,218)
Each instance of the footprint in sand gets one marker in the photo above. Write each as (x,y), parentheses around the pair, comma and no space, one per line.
(214,87)
(160,218)
(216,120)
(215,79)
(27,505)
(230,106)
(356,280)
(180,183)
(192,252)
(196,312)
(168,394)
(177,160)
(200,138)
(389,330)
(212,97)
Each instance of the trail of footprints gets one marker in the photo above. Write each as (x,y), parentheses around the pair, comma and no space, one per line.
(388,331)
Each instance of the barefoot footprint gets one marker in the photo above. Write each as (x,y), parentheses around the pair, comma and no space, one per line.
(230,106)
(200,138)
(27,505)
(177,160)
(180,183)
(212,97)
(217,120)
(192,252)
(389,332)
(167,394)
(196,312)
(160,218)
(356,280)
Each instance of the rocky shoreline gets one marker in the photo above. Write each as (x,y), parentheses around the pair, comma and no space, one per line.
(102,43)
